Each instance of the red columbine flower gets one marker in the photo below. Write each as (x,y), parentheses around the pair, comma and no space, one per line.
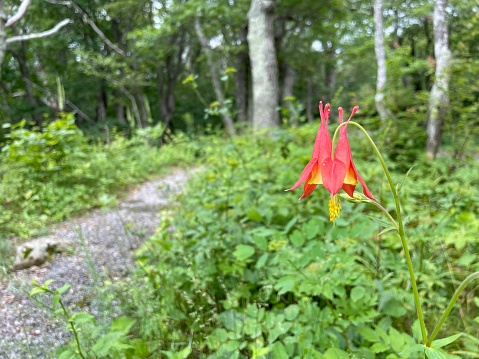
(335,172)
(340,172)
(311,175)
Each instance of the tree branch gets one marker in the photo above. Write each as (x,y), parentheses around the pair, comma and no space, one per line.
(91,23)
(21,11)
(39,35)
(67,102)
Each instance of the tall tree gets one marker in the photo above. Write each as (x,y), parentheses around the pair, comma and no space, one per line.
(215,77)
(6,22)
(439,96)
(264,64)
(381,106)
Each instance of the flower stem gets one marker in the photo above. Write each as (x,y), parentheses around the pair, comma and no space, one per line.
(67,315)
(449,308)
(401,231)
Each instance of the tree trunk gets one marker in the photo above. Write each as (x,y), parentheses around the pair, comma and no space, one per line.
(101,104)
(381,107)
(264,64)
(3,34)
(23,67)
(140,100)
(289,77)
(215,78)
(120,114)
(241,77)
(167,77)
(330,68)
(309,100)
(439,97)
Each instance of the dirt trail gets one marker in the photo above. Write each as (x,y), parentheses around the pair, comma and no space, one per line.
(103,243)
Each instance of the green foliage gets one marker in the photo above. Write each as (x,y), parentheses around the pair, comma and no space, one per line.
(91,340)
(52,172)
(248,271)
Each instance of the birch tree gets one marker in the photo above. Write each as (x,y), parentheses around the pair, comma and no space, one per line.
(381,106)
(264,64)
(6,22)
(439,96)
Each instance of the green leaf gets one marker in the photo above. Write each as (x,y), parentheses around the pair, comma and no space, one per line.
(243,252)
(68,354)
(36,290)
(278,329)
(63,289)
(413,349)
(439,343)
(279,351)
(47,283)
(55,301)
(253,214)
(434,354)
(285,284)
(379,347)
(393,307)
(291,312)
(313,228)
(82,317)
(261,242)
(122,325)
(231,320)
(368,334)
(357,293)
(290,225)
(262,260)
(335,353)
(297,238)
(184,353)
(252,328)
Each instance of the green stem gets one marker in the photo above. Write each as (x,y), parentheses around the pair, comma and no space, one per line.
(67,315)
(449,308)
(401,231)
(75,334)
(385,211)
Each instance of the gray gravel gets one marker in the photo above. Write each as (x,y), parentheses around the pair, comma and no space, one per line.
(102,246)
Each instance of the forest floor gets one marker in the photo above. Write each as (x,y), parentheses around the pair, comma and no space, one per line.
(102,246)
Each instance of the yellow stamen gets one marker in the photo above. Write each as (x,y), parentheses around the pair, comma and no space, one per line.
(334,206)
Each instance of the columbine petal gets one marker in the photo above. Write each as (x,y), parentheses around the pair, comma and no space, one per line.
(334,172)
(311,174)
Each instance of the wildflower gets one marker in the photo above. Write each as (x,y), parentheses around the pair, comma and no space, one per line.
(311,175)
(339,171)
(333,172)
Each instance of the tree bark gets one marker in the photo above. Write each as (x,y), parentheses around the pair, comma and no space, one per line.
(439,96)
(120,114)
(264,64)
(167,77)
(24,71)
(381,107)
(241,77)
(102,103)
(215,77)
(330,69)
(289,77)
(309,100)
(3,33)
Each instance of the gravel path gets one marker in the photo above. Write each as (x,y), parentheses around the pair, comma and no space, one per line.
(103,240)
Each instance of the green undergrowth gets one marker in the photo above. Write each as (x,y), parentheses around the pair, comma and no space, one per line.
(52,173)
(242,269)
